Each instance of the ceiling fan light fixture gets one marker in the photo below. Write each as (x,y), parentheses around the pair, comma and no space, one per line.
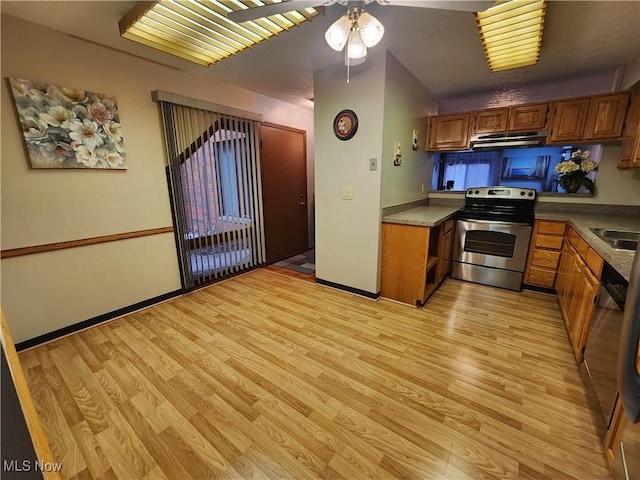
(356,47)
(354,31)
(371,30)
(338,33)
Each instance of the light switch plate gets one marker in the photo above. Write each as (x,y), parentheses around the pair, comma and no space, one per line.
(347,193)
(373,164)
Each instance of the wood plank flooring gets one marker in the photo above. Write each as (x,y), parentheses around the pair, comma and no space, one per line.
(268,376)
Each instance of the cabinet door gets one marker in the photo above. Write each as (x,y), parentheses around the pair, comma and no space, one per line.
(491,121)
(605,117)
(585,293)
(630,150)
(528,117)
(444,252)
(405,250)
(449,132)
(569,120)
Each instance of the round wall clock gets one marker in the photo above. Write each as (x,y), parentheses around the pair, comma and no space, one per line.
(345,125)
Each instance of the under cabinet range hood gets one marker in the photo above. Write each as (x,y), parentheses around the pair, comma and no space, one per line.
(508,140)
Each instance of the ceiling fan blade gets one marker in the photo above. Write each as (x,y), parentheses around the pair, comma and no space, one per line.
(272,9)
(463,6)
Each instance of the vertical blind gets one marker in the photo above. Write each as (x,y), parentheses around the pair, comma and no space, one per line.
(214,176)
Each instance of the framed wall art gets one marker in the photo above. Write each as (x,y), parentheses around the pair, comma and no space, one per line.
(68,128)
(345,125)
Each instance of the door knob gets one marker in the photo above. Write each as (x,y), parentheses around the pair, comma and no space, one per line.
(303,203)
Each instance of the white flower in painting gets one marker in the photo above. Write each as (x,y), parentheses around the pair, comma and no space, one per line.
(113,131)
(86,156)
(35,131)
(56,153)
(114,159)
(72,95)
(58,116)
(86,132)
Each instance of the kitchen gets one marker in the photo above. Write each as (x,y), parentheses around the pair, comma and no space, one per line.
(347,241)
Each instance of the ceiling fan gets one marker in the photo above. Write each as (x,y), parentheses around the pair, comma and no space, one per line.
(290,5)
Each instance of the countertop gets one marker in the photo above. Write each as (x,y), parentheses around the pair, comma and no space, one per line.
(426,216)
(620,260)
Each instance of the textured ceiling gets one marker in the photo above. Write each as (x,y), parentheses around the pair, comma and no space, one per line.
(442,48)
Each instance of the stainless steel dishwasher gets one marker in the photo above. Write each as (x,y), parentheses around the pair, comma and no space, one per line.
(601,351)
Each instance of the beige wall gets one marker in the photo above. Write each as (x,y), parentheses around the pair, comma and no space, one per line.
(45,292)
(390,103)
(407,104)
(347,231)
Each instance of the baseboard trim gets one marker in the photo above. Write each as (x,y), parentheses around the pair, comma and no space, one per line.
(345,288)
(92,322)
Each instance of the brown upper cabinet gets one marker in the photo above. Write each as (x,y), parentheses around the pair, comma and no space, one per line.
(630,150)
(600,117)
(513,119)
(568,121)
(584,119)
(449,132)
(493,120)
(528,117)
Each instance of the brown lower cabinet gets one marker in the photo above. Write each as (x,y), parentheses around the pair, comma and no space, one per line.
(415,260)
(577,285)
(544,253)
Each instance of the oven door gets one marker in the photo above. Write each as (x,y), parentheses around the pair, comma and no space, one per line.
(502,245)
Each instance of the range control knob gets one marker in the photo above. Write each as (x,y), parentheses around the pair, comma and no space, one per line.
(470,192)
(522,194)
(531,194)
(477,192)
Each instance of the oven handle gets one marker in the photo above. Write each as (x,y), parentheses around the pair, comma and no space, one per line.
(495,222)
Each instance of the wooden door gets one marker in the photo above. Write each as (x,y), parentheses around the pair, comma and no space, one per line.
(493,120)
(569,120)
(606,116)
(449,132)
(283,154)
(629,152)
(528,117)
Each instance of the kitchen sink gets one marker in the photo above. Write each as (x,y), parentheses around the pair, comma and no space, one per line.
(618,239)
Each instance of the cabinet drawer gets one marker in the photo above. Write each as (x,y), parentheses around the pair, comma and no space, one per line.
(552,228)
(545,258)
(573,237)
(547,241)
(541,276)
(594,261)
(582,247)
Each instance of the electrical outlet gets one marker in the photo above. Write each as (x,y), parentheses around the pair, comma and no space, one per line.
(347,193)
(373,164)
(422,188)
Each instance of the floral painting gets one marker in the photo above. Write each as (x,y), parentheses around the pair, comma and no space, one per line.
(68,128)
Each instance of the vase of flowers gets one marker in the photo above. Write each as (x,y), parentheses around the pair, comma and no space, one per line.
(572,173)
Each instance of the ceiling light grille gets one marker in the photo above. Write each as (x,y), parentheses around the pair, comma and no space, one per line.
(511,33)
(199,30)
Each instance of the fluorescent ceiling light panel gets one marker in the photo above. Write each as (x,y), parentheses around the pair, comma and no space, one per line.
(199,30)
(511,33)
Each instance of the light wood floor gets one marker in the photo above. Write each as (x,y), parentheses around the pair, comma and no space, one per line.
(270,376)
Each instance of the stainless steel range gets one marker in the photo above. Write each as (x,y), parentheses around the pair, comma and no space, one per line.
(492,236)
